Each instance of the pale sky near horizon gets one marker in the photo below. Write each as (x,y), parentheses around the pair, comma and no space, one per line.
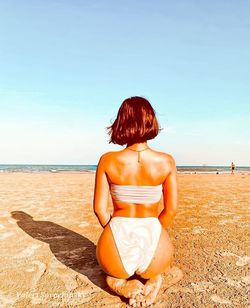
(66,66)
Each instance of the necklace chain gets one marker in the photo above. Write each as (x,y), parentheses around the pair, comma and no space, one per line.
(138,151)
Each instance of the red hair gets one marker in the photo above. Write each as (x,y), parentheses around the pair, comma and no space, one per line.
(135,122)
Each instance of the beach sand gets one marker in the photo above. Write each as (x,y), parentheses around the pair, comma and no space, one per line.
(48,234)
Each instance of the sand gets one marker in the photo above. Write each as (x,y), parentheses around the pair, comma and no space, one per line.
(48,235)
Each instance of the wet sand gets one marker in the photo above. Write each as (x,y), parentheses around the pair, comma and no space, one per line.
(48,235)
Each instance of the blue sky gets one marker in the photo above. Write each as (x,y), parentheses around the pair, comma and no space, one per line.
(66,66)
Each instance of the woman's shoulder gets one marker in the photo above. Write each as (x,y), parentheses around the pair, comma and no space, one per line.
(159,157)
(161,154)
(108,155)
(165,157)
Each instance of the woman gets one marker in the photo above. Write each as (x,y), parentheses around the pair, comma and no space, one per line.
(134,240)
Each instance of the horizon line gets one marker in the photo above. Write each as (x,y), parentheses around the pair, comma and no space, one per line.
(67,164)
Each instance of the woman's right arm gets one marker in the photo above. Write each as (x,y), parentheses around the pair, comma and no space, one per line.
(169,196)
(101,194)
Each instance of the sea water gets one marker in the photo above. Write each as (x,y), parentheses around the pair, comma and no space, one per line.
(92,168)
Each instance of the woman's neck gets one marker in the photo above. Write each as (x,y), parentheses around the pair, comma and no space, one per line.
(138,146)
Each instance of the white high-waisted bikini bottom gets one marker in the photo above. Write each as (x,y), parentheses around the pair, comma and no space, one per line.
(136,240)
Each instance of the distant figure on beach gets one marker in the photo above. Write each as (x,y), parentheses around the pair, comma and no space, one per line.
(134,248)
(232,167)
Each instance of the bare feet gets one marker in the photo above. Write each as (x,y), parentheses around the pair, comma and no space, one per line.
(152,288)
(143,295)
(126,288)
(153,285)
(138,301)
(173,276)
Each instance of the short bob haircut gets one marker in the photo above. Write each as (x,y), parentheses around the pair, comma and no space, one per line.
(135,122)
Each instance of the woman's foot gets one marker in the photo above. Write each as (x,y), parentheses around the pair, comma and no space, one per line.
(128,288)
(152,288)
(138,301)
(153,285)
(143,295)
(173,276)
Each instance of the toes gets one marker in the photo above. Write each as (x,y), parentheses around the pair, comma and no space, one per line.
(138,300)
(143,301)
(132,301)
(148,302)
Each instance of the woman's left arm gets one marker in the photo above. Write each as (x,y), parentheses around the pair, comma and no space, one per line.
(101,194)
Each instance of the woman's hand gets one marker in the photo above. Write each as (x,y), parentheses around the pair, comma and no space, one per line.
(107,222)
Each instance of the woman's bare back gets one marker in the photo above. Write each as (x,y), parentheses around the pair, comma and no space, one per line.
(122,168)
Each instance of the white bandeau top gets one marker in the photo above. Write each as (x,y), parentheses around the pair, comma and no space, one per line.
(136,194)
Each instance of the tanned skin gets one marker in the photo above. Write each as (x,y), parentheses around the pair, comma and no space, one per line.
(122,168)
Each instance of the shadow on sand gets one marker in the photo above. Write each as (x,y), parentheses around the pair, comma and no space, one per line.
(70,248)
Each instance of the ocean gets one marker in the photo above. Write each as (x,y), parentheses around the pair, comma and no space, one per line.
(92,168)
